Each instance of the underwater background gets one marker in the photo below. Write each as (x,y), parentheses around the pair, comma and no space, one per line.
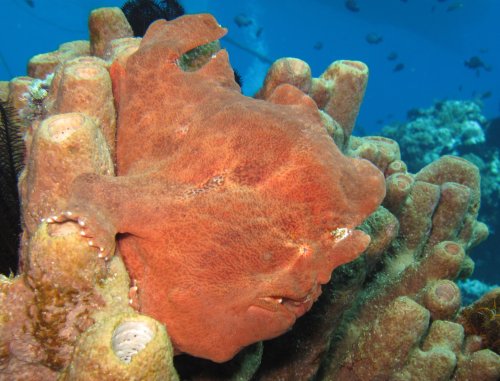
(434,68)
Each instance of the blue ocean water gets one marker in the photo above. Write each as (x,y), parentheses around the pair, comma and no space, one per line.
(428,40)
(416,50)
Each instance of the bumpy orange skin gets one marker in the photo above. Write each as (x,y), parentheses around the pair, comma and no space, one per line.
(231,211)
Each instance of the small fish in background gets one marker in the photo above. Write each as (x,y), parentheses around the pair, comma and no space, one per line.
(352,5)
(476,63)
(392,56)
(454,6)
(486,94)
(460,88)
(374,38)
(242,20)
(404,1)
(318,45)
(30,3)
(400,66)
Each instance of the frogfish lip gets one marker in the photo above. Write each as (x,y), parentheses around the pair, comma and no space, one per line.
(296,305)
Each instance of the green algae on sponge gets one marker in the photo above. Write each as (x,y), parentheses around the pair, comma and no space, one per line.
(195,58)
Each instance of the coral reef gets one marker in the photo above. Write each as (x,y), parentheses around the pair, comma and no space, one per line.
(473,289)
(220,202)
(447,128)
